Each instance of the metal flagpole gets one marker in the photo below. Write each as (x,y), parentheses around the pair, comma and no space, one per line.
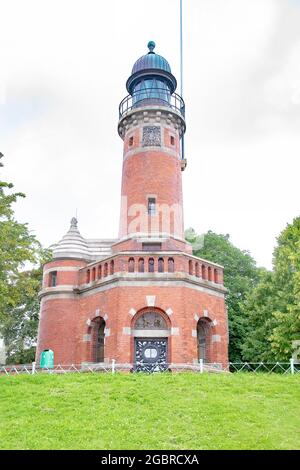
(181,68)
(181,49)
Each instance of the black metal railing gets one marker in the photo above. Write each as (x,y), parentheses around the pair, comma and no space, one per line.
(152,97)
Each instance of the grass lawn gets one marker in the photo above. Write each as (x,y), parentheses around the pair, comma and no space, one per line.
(164,411)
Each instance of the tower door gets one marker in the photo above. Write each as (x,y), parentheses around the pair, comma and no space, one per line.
(151,354)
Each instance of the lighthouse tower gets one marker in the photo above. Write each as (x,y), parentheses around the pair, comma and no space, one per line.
(143,299)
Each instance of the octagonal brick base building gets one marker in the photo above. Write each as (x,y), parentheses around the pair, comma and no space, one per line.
(142,300)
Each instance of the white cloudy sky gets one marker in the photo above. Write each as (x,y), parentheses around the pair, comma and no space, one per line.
(63,68)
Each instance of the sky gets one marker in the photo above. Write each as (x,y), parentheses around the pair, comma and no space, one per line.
(63,69)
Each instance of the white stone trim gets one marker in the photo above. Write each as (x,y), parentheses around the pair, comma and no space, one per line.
(150,300)
(175,331)
(107,331)
(196,317)
(150,283)
(89,322)
(132,312)
(69,296)
(126,330)
(105,318)
(97,312)
(169,312)
(87,338)
(205,313)
(216,339)
(194,333)
(150,333)
(215,322)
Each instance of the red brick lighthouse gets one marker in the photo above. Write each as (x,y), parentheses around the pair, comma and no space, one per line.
(143,299)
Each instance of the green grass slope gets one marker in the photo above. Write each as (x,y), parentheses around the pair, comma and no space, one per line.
(164,411)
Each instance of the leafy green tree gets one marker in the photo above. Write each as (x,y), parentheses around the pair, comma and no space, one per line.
(241,275)
(272,309)
(259,320)
(286,333)
(18,288)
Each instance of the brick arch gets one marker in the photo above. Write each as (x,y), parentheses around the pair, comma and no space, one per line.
(95,326)
(164,315)
(205,327)
(158,310)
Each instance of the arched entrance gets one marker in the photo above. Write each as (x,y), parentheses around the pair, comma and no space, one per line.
(151,335)
(203,340)
(98,335)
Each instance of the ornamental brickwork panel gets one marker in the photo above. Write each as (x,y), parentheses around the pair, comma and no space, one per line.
(151,136)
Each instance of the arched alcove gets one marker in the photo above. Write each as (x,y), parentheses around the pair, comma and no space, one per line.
(151,336)
(97,339)
(204,339)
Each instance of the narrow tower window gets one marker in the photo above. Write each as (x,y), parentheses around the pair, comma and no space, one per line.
(151,206)
(172,140)
(53,279)
(130,141)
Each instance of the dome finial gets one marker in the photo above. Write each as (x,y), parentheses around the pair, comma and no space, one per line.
(151,47)
(74,222)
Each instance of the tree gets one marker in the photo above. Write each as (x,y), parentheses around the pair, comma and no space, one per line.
(286,333)
(18,288)
(259,320)
(272,309)
(241,275)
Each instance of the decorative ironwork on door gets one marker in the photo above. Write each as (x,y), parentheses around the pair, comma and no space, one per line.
(151,354)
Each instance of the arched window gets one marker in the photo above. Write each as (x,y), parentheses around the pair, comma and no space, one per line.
(112,267)
(94,274)
(197,272)
(209,274)
(131,265)
(98,334)
(203,271)
(191,267)
(105,269)
(216,277)
(88,276)
(161,265)
(151,265)
(99,271)
(170,265)
(151,320)
(141,265)
(203,340)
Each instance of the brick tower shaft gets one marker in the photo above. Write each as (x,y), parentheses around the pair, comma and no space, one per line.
(151,125)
